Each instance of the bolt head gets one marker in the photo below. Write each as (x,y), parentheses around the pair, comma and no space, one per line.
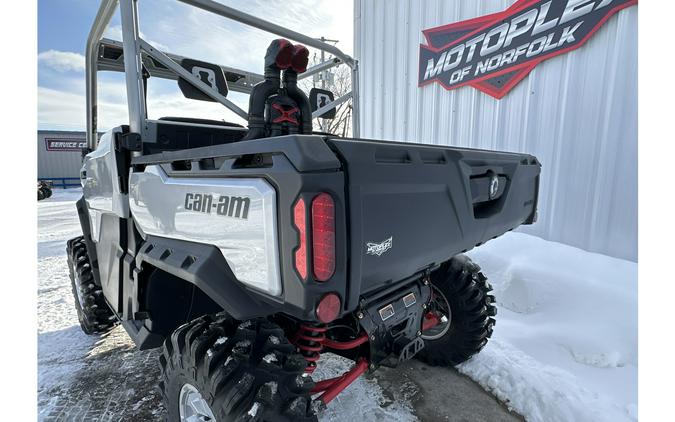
(372,338)
(419,333)
(360,315)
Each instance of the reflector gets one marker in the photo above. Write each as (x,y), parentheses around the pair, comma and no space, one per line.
(300,255)
(328,308)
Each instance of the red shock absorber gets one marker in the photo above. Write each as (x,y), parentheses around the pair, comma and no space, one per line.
(309,341)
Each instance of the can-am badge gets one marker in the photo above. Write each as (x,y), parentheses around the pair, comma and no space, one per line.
(494,186)
(379,248)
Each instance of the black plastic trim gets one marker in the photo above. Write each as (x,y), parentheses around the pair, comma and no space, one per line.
(305,152)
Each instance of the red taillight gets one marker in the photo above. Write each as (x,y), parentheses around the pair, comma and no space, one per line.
(323,236)
(300,221)
(328,308)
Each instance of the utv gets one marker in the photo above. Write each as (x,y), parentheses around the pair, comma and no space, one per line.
(44,189)
(247,252)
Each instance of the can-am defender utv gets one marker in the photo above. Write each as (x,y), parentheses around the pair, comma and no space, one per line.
(246,252)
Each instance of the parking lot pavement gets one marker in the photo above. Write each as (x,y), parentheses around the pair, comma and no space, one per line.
(443,394)
(117,382)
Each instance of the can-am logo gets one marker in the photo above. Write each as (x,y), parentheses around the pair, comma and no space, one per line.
(493,53)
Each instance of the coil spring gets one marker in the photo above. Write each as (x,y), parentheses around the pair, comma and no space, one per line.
(309,341)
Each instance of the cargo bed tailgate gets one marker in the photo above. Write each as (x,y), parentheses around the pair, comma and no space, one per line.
(412,206)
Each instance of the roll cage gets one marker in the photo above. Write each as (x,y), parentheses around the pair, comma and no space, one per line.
(134,55)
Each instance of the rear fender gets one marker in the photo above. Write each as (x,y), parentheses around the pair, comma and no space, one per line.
(204,266)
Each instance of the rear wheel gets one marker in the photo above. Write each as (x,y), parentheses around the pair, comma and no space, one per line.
(92,310)
(215,368)
(463,310)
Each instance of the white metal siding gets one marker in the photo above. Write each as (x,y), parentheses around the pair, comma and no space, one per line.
(576,112)
(57,164)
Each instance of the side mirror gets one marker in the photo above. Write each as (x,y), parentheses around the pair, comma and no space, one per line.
(319,98)
(211,74)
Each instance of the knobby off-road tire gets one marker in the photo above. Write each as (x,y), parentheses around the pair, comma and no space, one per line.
(244,371)
(472,313)
(92,310)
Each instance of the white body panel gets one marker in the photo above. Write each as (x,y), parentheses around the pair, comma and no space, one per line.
(100,184)
(160,207)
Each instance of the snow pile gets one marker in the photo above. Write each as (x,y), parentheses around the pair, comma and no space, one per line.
(565,343)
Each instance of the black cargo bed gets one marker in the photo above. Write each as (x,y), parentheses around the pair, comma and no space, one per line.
(433,202)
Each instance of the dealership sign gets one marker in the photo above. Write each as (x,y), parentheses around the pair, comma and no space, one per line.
(65,144)
(493,53)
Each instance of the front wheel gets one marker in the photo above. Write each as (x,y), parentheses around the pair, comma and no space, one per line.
(218,369)
(463,311)
(93,312)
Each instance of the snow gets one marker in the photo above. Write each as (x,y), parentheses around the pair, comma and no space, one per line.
(58,328)
(565,344)
(254,409)
(564,347)
(270,358)
(363,400)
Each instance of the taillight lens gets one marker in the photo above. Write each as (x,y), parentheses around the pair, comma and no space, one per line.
(323,236)
(300,222)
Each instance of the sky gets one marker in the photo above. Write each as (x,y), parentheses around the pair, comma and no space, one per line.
(63,27)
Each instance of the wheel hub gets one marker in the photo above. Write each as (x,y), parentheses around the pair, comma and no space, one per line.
(192,406)
(438,309)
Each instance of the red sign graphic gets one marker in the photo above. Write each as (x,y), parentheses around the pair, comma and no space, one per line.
(493,53)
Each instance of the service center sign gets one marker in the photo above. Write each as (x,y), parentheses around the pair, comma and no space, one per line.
(65,144)
(493,53)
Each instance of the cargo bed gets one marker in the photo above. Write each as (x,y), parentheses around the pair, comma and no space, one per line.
(433,202)
(402,207)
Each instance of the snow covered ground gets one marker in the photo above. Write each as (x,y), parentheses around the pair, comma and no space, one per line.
(564,348)
(565,344)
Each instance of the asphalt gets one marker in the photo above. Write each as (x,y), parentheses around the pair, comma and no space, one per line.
(119,383)
(443,394)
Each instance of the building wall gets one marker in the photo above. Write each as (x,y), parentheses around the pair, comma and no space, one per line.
(58,163)
(576,112)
